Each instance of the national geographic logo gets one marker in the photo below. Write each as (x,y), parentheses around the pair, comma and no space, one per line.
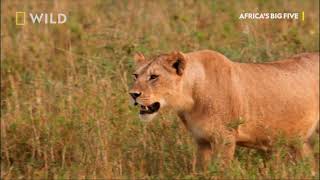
(40,18)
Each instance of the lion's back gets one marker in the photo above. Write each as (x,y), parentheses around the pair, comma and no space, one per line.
(283,95)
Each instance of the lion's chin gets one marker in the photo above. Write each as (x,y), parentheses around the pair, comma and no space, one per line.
(147,117)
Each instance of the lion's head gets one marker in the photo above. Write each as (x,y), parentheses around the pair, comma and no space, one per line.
(157,82)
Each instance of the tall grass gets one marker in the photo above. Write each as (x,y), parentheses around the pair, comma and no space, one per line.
(65,112)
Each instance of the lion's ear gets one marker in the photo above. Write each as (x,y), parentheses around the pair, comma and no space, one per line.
(178,62)
(139,58)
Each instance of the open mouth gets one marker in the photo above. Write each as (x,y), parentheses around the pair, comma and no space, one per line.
(149,109)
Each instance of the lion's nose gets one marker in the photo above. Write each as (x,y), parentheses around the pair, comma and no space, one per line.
(134,95)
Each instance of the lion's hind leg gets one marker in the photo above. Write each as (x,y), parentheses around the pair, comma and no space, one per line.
(305,153)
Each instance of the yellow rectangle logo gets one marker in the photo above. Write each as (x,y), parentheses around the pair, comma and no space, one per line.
(20,18)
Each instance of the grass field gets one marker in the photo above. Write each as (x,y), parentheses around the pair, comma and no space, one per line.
(65,110)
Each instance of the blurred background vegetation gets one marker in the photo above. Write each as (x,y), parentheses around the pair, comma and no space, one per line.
(65,111)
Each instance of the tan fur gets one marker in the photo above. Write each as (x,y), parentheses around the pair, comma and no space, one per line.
(224,103)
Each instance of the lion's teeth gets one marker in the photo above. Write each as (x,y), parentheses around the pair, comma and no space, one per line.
(147,108)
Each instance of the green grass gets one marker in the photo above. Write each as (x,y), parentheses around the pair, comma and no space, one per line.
(65,112)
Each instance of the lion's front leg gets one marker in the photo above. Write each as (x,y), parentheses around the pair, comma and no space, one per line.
(220,149)
(204,154)
(224,148)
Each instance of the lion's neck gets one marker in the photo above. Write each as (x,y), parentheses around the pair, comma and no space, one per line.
(208,94)
(192,80)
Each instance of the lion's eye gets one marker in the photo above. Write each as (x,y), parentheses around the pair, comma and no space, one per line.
(135,76)
(152,77)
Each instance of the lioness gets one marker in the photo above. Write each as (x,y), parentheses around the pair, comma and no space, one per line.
(224,103)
